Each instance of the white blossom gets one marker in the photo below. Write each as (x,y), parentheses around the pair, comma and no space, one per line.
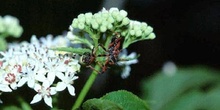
(45,92)
(34,63)
(127,60)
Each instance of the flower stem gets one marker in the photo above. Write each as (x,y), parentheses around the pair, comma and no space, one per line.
(86,88)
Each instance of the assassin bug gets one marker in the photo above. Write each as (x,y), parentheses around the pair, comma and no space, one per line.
(113,51)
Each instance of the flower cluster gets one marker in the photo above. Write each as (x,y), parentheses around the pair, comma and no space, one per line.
(107,22)
(137,31)
(42,69)
(9,26)
(101,21)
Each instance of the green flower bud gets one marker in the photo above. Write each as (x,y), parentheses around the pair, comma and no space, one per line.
(123,33)
(148,30)
(110,19)
(15,31)
(88,21)
(132,32)
(123,13)
(88,15)
(125,21)
(105,14)
(138,33)
(115,13)
(81,26)
(99,20)
(97,15)
(103,28)
(119,18)
(137,27)
(95,25)
(82,18)
(109,26)
(12,26)
(151,36)
(75,23)
(143,26)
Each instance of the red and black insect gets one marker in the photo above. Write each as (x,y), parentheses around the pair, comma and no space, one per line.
(111,55)
(112,52)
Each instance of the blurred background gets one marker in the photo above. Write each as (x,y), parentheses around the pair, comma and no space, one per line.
(187,34)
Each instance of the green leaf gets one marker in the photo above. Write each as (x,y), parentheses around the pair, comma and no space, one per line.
(127,100)
(99,104)
(72,50)
(184,89)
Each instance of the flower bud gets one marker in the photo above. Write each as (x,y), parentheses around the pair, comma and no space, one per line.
(81,26)
(151,36)
(132,32)
(138,33)
(103,28)
(125,21)
(75,23)
(95,25)
(123,13)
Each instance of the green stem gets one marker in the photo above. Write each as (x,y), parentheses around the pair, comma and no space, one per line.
(86,88)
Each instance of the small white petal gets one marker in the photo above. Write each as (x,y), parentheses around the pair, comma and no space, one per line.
(71,89)
(46,84)
(40,77)
(31,83)
(60,86)
(62,68)
(5,88)
(126,72)
(51,77)
(53,90)
(36,98)
(48,101)
(37,87)
(22,81)
(13,86)
(60,75)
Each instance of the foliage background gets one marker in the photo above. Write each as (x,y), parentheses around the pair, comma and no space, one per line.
(187,33)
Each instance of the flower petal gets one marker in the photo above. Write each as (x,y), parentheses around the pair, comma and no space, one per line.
(37,87)
(48,101)
(31,83)
(51,77)
(46,84)
(60,75)
(22,81)
(36,98)
(53,90)
(126,72)
(71,89)
(60,86)
(5,88)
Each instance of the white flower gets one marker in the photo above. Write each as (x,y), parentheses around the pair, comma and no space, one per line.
(45,92)
(66,82)
(34,64)
(127,60)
